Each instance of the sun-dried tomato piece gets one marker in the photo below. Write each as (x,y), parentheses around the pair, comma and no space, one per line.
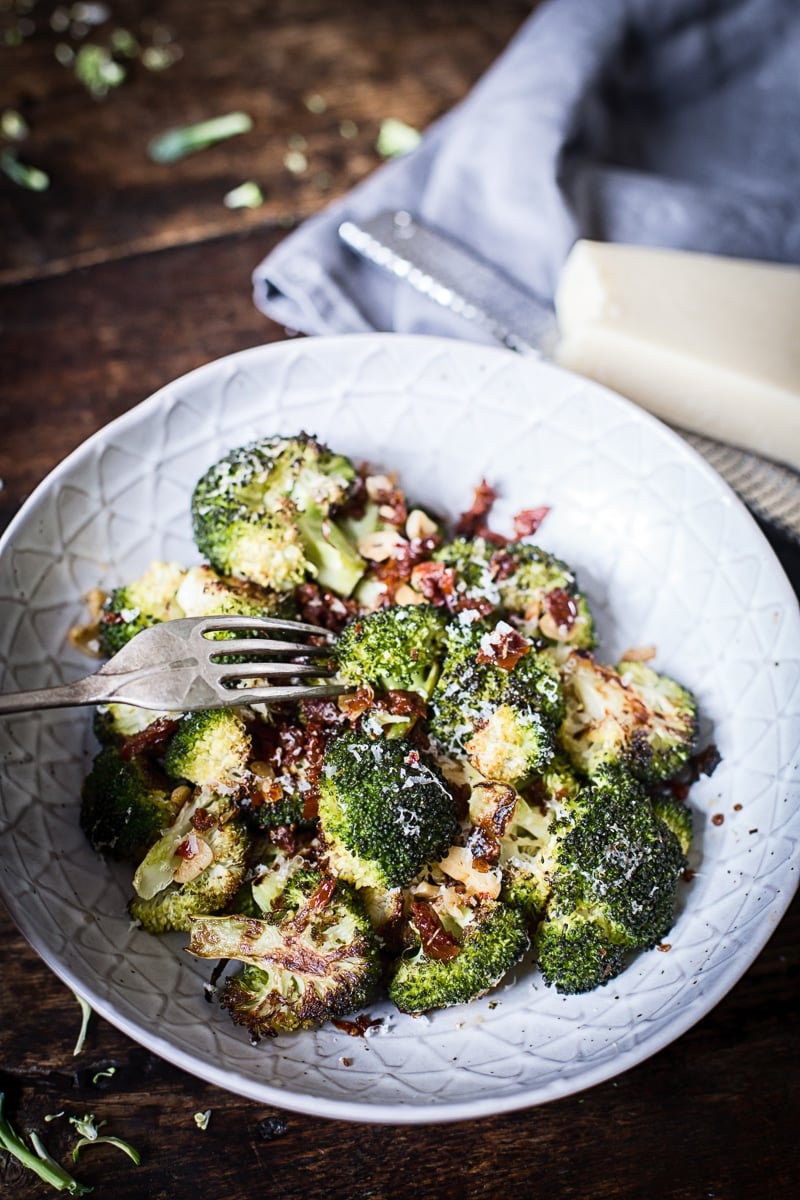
(357,1026)
(318,900)
(528,520)
(502,565)
(471,521)
(436,941)
(503,648)
(562,608)
(151,738)
(402,703)
(435,581)
(353,704)
(325,609)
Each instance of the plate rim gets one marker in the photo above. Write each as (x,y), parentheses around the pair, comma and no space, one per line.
(405,1113)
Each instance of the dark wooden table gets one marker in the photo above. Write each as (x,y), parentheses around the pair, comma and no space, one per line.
(124,274)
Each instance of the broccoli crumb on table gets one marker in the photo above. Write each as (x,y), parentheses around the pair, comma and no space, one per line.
(488,793)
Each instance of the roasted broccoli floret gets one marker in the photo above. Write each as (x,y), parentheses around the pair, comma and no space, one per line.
(167,591)
(475,566)
(314,956)
(211,747)
(631,716)
(459,953)
(385,809)
(396,649)
(613,885)
(497,701)
(138,605)
(265,513)
(542,596)
(204,593)
(125,805)
(677,816)
(527,847)
(577,952)
(534,589)
(195,868)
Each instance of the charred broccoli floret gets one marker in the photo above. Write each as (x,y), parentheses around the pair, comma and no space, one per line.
(265,513)
(204,593)
(384,810)
(459,953)
(211,747)
(537,591)
(497,701)
(631,716)
(138,605)
(314,957)
(125,805)
(167,591)
(195,868)
(614,881)
(577,952)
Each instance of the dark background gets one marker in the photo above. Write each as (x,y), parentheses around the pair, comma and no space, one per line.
(124,274)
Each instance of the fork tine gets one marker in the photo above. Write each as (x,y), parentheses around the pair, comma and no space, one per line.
(268,670)
(230,646)
(266,624)
(277,695)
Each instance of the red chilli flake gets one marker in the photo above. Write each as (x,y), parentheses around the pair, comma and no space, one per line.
(436,941)
(528,520)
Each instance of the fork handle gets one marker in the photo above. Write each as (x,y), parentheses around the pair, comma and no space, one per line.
(91,690)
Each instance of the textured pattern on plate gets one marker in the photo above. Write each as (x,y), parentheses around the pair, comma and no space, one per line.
(668,556)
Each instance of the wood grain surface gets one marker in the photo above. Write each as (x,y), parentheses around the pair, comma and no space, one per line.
(124,274)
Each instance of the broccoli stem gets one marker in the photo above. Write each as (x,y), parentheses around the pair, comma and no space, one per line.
(46,1168)
(338,564)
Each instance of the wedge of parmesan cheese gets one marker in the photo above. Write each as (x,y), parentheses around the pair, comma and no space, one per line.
(709,344)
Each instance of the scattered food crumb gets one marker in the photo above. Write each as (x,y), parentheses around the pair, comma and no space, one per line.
(201,1119)
(718,819)
(396,137)
(295,161)
(246,195)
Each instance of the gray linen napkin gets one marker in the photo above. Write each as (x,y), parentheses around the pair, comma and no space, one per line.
(658,122)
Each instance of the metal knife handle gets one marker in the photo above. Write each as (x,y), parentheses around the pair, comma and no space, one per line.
(454,278)
(457,279)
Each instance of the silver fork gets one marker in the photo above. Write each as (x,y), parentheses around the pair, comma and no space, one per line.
(175,667)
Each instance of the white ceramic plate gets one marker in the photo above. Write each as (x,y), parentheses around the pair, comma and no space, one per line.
(668,556)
